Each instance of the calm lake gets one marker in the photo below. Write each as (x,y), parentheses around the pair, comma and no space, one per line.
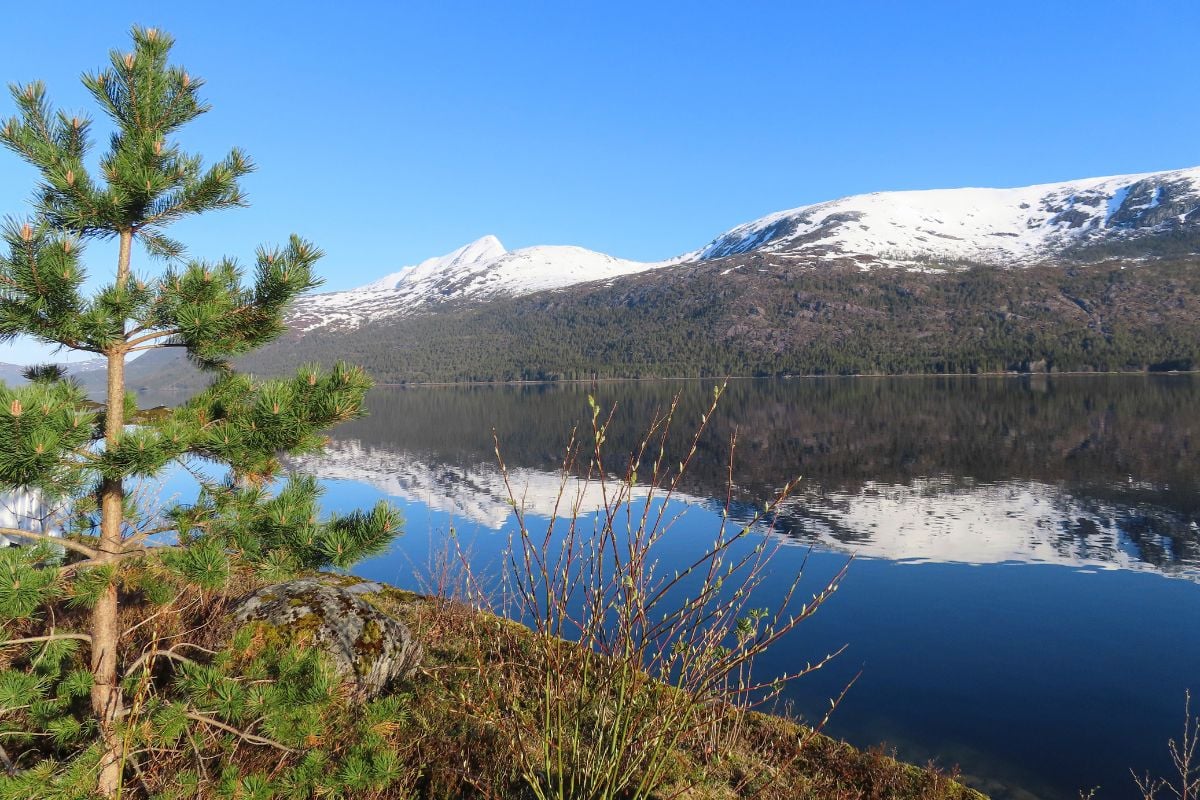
(1023,602)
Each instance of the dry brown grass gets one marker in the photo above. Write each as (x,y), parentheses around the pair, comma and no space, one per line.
(464,751)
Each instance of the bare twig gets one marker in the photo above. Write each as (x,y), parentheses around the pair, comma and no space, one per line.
(249,738)
(167,653)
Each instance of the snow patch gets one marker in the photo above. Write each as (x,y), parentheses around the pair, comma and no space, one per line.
(1115,202)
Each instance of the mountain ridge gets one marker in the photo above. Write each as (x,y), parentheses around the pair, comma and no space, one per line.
(478,271)
(918,229)
(1001,227)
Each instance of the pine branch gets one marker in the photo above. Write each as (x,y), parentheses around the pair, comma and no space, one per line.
(83,637)
(249,738)
(143,535)
(70,544)
(149,337)
(155,346)
(124,555)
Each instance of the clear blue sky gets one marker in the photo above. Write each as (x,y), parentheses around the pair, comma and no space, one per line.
(391,132)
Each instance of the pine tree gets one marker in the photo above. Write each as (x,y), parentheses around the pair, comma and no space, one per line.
(53,441)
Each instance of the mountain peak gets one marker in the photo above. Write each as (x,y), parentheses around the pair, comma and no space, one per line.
(475,271)
(484,249)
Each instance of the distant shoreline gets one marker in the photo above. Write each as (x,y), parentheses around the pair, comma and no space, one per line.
(875,375)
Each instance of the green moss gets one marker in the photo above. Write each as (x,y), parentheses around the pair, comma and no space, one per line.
(300,632)
(368,647)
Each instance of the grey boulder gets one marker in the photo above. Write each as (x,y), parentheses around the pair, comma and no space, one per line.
(367,647)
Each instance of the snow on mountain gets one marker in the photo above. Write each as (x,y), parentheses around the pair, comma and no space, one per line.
(478,253)
(480,270)
(1007,227)
(923,229)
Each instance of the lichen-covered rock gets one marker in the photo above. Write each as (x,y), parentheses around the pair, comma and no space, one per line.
(367,647)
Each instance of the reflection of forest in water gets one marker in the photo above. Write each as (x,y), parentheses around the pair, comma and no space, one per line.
(1088,469)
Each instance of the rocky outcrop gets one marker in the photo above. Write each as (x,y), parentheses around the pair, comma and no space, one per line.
(367,647)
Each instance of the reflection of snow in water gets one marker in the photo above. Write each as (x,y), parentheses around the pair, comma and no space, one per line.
(1029,522)
(930,520)
(475,493)
(27,510)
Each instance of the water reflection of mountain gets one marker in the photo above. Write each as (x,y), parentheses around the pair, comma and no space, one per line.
(1021,521)
(1091,470)
(472,492)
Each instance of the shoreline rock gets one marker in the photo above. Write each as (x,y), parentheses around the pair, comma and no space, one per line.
(367,647)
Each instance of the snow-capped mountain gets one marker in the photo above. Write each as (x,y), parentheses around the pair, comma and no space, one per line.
(935,229)
(481,270)
(1006,227)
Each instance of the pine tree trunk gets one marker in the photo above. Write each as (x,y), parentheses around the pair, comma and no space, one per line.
(107,702)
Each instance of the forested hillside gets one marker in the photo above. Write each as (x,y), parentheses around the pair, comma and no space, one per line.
(753,316)
(763,318)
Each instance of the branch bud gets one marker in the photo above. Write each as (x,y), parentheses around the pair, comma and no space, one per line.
(129,61)
(70,178)
(26,232)
(15,408)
